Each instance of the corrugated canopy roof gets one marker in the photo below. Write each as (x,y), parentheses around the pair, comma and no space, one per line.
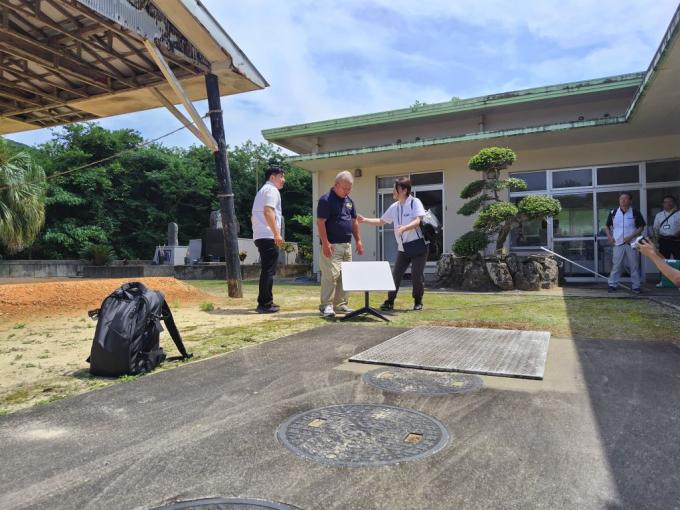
(66,61)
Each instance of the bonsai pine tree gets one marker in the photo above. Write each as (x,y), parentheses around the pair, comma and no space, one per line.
(497,217)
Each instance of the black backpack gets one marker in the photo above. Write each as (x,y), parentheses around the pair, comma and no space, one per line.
(126,341)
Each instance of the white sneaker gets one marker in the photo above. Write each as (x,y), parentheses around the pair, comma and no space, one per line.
(343,309)
(328,311)
(659,285)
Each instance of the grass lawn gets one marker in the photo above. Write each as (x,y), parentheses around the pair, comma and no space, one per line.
(633,319)
(219,325)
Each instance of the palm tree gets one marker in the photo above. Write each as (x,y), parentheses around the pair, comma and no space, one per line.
(22,199)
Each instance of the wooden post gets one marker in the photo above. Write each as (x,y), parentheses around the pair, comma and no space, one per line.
(224,190)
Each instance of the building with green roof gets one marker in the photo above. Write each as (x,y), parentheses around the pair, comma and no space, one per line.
(581,142)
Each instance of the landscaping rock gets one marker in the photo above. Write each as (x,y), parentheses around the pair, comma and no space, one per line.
(528,275)
(493,273)
(512,260)
(551,273)
(450,270)
(500,275)
(476,278)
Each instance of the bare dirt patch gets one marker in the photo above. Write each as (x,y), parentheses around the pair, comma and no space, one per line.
(44,299)
(46,335)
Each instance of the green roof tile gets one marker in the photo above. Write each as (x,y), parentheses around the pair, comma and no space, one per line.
(460,105)
(460,138)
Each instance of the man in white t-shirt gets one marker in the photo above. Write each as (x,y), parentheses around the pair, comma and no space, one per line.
(267,223)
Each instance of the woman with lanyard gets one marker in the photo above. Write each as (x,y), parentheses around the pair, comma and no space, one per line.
(405,214)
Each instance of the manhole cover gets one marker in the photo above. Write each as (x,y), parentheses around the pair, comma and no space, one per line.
(402,380)
(227,504)
(362,435)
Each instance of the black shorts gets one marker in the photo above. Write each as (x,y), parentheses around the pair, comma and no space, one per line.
(670,247)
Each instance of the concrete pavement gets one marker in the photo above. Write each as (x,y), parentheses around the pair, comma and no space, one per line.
(601,431)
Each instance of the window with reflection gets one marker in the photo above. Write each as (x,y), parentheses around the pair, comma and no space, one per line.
(576,217)
(629,174)
(581,252)
(663,171)
(427,178)
(572,178)
(387,182)
(529,233)
(536,181)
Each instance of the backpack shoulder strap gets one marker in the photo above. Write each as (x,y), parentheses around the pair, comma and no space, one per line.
(639,219)
(610,217)
(174,332)
(419,232)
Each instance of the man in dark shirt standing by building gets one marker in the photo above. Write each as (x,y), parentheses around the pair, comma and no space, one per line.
(336,220)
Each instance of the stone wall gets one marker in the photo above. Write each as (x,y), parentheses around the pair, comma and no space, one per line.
(511,272)
(129,271)
(218,271)
(134,269)
(41,268)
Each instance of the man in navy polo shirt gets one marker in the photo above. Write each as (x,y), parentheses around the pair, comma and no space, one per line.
(336,219)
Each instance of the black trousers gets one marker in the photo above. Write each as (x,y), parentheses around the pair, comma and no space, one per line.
(669,247)
(417,275)
(269,256)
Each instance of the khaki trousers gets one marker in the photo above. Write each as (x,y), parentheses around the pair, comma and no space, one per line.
(332,292)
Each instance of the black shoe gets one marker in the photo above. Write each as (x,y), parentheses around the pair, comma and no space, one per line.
(611,289)
(637,291)
(267,309)
(417,307)
(387,306)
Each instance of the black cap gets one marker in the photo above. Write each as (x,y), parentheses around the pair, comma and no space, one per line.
(273,170)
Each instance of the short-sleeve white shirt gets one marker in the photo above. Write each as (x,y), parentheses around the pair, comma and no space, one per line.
(670,228)
(268,196)
(398,215)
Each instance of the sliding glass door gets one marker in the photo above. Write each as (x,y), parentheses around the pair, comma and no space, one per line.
(587,196)
(428,187)
(573,233)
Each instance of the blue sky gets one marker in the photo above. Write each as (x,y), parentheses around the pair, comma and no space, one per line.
(333,58)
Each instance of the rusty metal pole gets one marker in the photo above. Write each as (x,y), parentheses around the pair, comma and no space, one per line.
(224,190)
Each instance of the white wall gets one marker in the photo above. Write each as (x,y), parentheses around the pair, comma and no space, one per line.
(457,175)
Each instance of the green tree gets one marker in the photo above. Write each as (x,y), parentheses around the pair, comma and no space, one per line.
(296,198)
(127,200)
(497,217)
(22,194)
(79,203)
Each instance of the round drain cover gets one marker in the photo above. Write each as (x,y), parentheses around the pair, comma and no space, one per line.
(362,435)
(403,380)
(227,504)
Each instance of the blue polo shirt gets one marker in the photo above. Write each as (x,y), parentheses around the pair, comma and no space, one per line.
(338,213)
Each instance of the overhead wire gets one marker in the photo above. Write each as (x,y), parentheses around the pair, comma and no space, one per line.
(113,156)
